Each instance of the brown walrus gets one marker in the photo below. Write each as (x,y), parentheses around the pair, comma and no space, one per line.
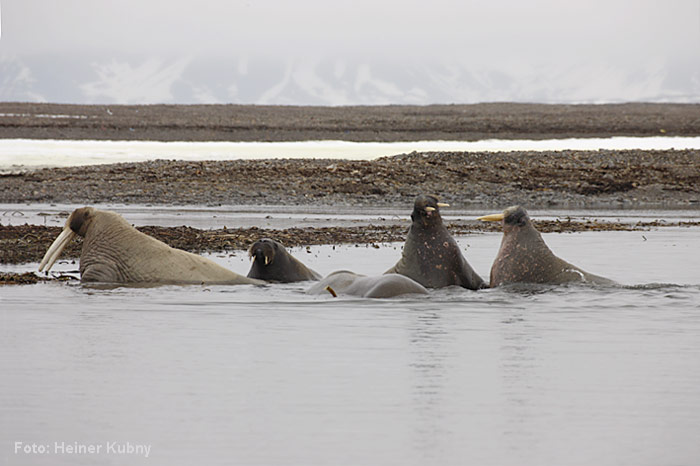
(116,252)
(272,262)
(430,255)
(525,258)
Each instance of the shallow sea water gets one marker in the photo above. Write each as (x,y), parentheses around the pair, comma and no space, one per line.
(567,375)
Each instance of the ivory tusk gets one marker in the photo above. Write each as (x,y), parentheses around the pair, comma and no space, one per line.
(56,248)
(491,218)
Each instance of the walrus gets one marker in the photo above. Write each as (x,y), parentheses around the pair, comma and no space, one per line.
(115,252)
(525,258)
(430,255)
(382,286)
(272,262)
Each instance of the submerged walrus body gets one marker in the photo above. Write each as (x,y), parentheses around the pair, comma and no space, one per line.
(383,286)
(116,252)
(525,258)
(272,262)
(430,255)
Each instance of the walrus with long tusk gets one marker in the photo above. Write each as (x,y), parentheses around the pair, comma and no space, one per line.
(525,258)
(383,286)
(116,252)
(430,255)
(272,262)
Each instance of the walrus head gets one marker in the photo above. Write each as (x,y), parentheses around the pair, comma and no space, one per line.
(263,251)
(80,219)
(77,224)
(426,210)
(514,217)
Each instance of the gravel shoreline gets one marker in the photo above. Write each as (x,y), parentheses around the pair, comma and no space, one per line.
(569,179)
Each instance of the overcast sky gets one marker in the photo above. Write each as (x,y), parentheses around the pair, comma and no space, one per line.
(340,52)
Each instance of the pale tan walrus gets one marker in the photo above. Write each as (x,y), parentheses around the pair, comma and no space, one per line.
(116,252)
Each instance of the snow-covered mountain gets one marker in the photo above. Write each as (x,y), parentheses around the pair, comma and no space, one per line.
(331,81)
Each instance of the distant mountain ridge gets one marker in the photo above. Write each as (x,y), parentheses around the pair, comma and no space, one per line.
(329,81)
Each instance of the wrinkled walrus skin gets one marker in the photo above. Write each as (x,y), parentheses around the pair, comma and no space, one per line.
(273,263)
(115,252)
(524,257)
(382,286)
(430,255)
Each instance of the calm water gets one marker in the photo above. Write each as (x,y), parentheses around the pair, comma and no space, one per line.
(271,376)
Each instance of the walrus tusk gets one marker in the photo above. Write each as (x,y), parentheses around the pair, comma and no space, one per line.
(491,218)
(442,204)
(267,261)
(56,249)
(430,209)
(331,291)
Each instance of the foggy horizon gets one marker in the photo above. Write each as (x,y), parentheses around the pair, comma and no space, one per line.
(360,53)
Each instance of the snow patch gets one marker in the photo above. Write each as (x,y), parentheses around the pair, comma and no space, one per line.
(123,83)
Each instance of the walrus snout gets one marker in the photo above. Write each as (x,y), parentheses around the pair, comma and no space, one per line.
(514,216)
(261,257)
(263,251)
(427,207)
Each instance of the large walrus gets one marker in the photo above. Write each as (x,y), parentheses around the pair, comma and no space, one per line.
(383,286)
(116,252)
(525,258)
(431,256)
(272,262)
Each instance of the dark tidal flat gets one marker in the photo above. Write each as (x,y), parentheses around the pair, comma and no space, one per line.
(360,123)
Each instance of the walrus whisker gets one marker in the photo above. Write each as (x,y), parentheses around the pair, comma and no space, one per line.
(56,248)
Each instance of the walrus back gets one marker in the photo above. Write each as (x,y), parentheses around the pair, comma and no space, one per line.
(115,251)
